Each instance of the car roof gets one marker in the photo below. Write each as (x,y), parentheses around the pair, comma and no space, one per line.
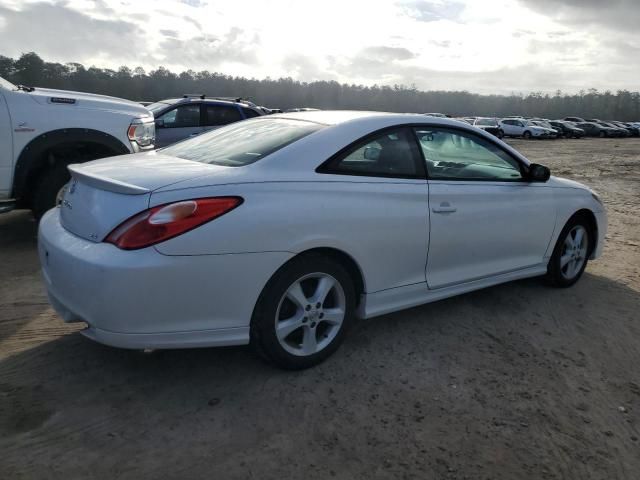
(210,100)
(336,117)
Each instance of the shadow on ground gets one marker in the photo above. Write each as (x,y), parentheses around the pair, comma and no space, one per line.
(519,380)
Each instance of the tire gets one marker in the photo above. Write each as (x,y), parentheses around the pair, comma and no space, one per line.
(306,336)
(560,272)
(527,135)
(500,134)
(46,189)
(603,134)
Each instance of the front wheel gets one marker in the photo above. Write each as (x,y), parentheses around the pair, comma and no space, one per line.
(303,312)
(527,135)
(500,134)
(603,134)
(570,255)
(48,189)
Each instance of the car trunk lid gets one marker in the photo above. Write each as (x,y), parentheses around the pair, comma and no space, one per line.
(104,193)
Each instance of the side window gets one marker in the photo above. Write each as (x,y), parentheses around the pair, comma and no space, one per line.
(216,115)
(181,117)
(392,153)
(457,155)
(248,113)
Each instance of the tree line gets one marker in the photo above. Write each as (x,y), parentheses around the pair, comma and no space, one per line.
(139,85)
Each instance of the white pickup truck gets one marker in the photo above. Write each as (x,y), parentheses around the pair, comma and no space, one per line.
(42,131)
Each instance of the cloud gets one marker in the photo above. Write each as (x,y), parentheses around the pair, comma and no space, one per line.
(481,46)
(169,33)
(387,54)
(194,3)
(306,68)
(431,11)
(208,51)
(610,14)
(55,30)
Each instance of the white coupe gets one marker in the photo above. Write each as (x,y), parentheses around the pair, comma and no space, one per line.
(279,231)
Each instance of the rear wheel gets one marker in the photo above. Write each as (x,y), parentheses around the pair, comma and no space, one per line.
(500,134)
(303,312)
(570,255)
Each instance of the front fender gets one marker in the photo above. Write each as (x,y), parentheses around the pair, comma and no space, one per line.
(32,159)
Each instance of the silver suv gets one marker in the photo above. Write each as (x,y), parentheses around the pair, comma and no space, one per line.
(191,115)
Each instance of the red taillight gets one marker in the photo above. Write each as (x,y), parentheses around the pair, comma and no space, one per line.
(167,221)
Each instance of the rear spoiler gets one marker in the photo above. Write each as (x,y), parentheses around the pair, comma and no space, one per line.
(105,183)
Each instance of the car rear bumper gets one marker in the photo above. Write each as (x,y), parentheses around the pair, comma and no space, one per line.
(144,299)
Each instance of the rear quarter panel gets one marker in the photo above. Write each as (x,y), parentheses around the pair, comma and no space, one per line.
(382,224)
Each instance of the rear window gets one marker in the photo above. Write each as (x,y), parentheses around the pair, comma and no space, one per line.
(221,115)
(242,143)
(487,122)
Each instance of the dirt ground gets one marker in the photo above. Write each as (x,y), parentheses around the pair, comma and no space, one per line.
(519,381)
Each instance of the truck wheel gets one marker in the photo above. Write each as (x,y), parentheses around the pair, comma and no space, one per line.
(47,188)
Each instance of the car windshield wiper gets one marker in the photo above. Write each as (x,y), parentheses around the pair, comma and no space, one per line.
(26,88)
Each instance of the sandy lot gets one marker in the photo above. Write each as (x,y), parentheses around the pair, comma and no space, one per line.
(519,381)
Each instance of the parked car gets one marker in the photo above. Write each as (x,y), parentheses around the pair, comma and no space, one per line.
(617,131)
(567,129)
(633,130)
(302,109)
(437,115)
(574,119)
(191,115)
(490,125)
(43,130)
(270,231)
(592,129)
(553,132)
(520,127)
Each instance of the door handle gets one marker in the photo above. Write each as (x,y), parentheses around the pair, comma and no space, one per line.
(445,207)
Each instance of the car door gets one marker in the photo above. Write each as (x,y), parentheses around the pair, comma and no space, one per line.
(6,150)
(382,217)
(511,128)
(177,124)
(588,128)
(485,217)
(216,115)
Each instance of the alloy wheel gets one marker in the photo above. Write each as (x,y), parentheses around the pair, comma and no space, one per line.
(310,314)
(574,252)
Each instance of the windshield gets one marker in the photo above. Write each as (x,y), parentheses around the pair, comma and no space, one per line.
(7,85)
(154,107)
(489,122)
(242,143)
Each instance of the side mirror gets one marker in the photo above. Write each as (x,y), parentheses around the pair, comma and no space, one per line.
(371,153)
(538,173)
(159,123)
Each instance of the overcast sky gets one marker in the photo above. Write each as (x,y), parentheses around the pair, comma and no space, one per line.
(486,46)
